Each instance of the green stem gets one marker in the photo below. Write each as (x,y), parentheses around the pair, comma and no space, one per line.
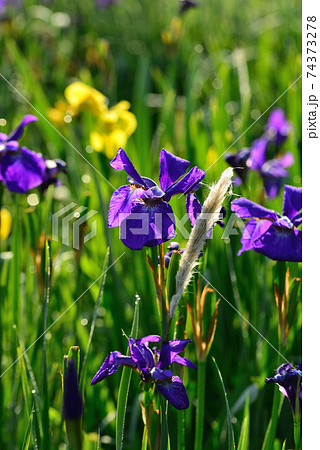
(201,386)
(164,315)
(44,401)
(297,432)
(181,430)
(164,423)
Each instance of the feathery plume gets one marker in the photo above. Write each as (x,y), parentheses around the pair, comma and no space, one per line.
(208,216)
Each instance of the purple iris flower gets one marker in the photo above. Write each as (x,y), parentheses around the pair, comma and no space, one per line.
(263,155)
(289,381)
(20,168)
(142,209)
(270,233)
(272,171)
(152,365)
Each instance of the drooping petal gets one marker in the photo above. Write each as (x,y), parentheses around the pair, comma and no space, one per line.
(254,229)
(171,168)
(280,243)
(193,207)
(246,209)
(190,182)
(16,134)
(148,225)
(122,161)
(121,204)
(174,391)
(292,201)
(22,170)
(111,365)
(184,362)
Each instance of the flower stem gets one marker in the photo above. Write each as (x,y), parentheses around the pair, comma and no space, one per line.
(297,431)
(164,423)
(201,386)
(164,311)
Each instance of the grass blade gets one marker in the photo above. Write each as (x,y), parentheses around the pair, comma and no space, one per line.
(272,427)
(231,443)
(29,402)
(45,400)
(244,434)
(95,313)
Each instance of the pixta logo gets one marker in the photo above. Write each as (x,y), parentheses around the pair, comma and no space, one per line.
(71,221)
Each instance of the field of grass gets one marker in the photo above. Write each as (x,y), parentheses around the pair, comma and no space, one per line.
(196,83)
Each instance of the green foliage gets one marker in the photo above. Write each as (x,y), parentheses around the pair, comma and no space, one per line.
(196,83)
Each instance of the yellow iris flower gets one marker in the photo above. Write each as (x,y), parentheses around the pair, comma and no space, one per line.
(5,223)
(80,96)
(113,129)
(113,126)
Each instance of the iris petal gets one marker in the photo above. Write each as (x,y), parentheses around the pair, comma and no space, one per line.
(189,182)
(148,225)
(258,154)
(292,201)
(22,170)
(18,132)
(111,365)
(193,207)
(171,168)
(121,204)
(253,230)
(184,362)
(141,354)
(246,209)
(122,161)
(280,244)
(175,392)
(169,350)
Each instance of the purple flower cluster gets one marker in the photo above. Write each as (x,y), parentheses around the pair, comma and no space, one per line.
(264,157)
(142,208)
(22,169)
(270,233)
(152,365)
(289,380)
